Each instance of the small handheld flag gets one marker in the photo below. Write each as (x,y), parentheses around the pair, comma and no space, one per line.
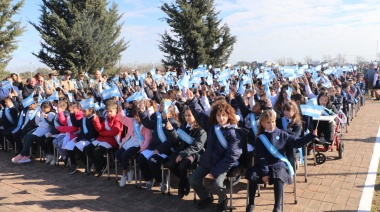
(28,101)
(111,92)
(87,103)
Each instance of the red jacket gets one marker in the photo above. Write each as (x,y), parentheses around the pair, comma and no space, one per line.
(70,129)
(108,135)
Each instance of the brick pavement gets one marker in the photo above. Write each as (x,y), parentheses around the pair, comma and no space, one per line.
(335,185)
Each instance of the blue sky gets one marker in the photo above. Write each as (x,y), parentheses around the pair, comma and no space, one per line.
(265,30)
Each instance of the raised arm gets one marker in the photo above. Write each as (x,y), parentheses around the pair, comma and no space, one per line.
(200,116)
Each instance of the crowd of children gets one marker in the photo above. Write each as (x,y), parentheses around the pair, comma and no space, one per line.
(207,128)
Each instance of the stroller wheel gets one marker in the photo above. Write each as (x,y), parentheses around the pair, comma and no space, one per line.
(320,158)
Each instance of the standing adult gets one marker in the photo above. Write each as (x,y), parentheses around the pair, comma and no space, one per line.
(30,88)
(51,83)
(369,77)
(67,85)
(17,81)
(82,86)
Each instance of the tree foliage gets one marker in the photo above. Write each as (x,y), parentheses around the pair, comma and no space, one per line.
(196,36)
(9,30)
(80,35)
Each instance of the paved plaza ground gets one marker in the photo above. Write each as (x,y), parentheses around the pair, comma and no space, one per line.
(335,185)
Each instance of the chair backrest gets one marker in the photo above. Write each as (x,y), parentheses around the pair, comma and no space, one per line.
(244,160)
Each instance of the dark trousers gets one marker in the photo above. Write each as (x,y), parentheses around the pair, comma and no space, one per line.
(179,169)
(196,181)
(124,155)
(327,128)
(47,145)
(255,179)
(96,155)
(76,152)
(28,140)
(151,168)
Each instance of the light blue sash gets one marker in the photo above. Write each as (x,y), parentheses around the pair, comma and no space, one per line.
(275,153)
(160,131)
(34,113)
(136,130)
(222,140)
(85,130)
(56,123)
(19,122)
(8,115)
(284,123)
(185,137)
(252,119)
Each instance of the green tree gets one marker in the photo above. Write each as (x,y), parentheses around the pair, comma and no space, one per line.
(79,35)
(196,36)
(9,30)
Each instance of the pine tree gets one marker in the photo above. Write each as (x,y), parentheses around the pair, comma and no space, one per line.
(80,35)
(195,36)
(9,30)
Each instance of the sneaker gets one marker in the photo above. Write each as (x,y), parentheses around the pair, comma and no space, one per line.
(205,203)
(123,180)
(130,175)
(149,185)
(53,162)
(16,159)
(48,159)
(73,169)
(222,206)
(24,159)
(250,208)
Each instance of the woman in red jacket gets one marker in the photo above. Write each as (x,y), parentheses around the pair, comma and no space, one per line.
(109,136)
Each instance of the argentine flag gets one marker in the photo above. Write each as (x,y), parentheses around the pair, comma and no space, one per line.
(28,101)
(110,92)
(314,111)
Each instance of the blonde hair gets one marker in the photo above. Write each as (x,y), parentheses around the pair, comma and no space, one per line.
(266,115)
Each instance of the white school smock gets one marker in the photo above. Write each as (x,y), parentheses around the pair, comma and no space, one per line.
(43,126)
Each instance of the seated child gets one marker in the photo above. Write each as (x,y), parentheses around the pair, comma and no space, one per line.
(272,168)
(109,131)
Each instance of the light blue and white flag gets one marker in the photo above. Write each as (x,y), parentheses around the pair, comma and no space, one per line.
(6,85)
(224,75)
(184,82)
(166,106)
(111,92)
(54,96)
(314,111)
(28,101)
(87,103)
(289,92)
(70,95)
(101,70)
(312,101)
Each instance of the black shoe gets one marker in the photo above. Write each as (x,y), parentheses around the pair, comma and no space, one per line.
(221,207)
(73,169)
(101,172)
(181,191)
(250,208)
(187,187)
(205,203)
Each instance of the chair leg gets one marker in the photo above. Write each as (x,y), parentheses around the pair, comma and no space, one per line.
(168,182)
(295,187)
(305,167)
(87,165)
(162,177)
(231,191)
(108,165)
(247,199)
(116,176)
(41,160)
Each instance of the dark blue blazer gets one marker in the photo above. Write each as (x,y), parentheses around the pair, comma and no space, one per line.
(216,158)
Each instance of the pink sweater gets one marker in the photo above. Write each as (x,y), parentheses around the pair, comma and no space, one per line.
(145,132)
(71,129)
